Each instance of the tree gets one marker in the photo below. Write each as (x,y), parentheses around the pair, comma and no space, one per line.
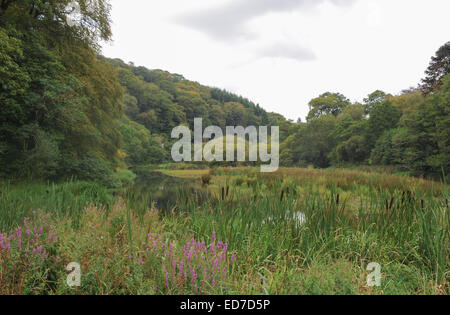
(327,104)
(438,69)
(139,146)
(374,99)
(385,151)
(86,20)
(311,143)
(235,114)
(60,103)
(427,137)
(353,150)
(382,118)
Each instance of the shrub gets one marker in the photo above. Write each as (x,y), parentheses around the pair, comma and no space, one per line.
(206,179)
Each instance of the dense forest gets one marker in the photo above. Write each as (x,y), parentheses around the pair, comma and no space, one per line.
(67,111)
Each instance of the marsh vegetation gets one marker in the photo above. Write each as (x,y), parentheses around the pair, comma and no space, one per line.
(298,231)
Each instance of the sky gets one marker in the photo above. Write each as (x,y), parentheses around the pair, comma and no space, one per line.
(282,53)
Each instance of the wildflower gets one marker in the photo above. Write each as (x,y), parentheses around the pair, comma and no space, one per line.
(181,266)
(39,249)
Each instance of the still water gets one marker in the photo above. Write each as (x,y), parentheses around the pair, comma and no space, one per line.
(160,188)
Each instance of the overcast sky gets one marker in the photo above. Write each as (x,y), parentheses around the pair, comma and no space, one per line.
(283,53)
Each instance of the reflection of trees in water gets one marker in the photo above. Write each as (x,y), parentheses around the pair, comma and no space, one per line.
(162,189)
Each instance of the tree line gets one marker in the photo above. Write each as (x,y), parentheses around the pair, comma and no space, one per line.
(67,111)
(410,131)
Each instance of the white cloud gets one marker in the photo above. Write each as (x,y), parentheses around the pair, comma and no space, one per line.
(228,21)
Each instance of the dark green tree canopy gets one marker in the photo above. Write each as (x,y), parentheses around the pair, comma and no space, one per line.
(87,20)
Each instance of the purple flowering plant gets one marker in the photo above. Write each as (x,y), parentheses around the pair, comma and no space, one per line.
(195,267)
(27,257)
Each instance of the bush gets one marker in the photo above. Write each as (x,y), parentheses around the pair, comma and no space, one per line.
(93,168)
(206,179)
(125,177)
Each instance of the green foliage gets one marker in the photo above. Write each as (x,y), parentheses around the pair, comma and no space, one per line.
(59,102)
(353,150)
(385,153)
(427,140)
(311,144)
(382,118)
(68,199)
(161,101)
(438,69)
(140,147)
(374,99)
(89,24)
(327,103)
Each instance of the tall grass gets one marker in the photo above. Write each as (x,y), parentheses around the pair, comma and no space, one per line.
(285,232)
(62,200)
(409,228)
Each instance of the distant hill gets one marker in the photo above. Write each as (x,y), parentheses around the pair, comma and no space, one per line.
(160,101)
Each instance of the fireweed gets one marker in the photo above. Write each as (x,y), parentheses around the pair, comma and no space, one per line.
(196,267)
(27,259)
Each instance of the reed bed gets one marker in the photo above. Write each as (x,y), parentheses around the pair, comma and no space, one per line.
(299,231)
